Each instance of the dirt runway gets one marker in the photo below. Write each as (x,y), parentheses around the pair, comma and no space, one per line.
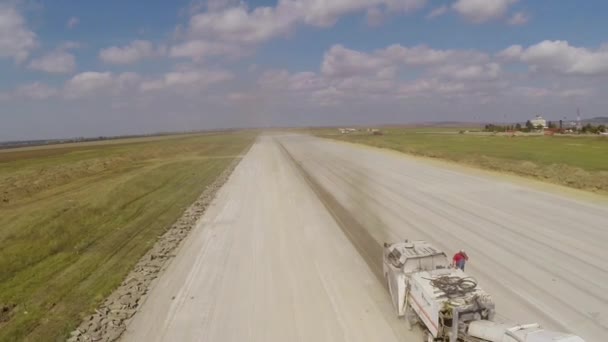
(267,263)
(287,251)
(541,255)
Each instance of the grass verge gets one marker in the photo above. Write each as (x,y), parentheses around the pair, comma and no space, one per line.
(74,220)
(577,162)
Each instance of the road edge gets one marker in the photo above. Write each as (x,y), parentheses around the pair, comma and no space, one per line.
(109,321)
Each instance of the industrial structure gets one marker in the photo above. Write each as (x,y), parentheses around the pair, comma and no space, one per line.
(539,121)
(448,304)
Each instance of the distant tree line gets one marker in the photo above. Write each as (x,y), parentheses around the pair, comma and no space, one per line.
(589,128)
(529,127)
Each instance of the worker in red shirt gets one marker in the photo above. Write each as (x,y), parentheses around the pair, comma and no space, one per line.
(460,259)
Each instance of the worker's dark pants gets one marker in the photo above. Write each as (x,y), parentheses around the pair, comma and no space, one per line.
(460,264)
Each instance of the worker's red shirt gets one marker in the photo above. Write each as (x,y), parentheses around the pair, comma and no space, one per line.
(458,257)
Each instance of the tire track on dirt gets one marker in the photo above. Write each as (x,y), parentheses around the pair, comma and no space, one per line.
(364,243)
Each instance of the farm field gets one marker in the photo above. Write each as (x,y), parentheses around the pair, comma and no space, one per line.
(577,162)
(74,220)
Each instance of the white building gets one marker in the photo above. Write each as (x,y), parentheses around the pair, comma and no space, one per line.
(539,121)
(346,130)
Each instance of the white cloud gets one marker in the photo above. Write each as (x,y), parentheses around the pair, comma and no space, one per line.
(578,92)
(88,83)
(306,81)
(274,79)
(32,91)
(518,19)
(555,92)
(179,78)
(35,91)
(479,11)
(237,24)
(330,96)
(95,84)
(430,87)
(240,24)
(73,22)
(424,56)
(242,97)
(342,62)
(362,86)
(560,57)
(198,50)
(193,79)
(326,13)
(233,30)
(513,52)
(437,12)
(347,76)
(16,39)
(283,80)
(56,62)
(216,5)
(127,80)
(531,92)
(134,52)
(482,72)
(127,85)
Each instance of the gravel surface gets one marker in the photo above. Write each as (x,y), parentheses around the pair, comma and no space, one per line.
(267,263)
(541,255)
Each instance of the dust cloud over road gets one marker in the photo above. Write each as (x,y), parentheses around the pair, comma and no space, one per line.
(542,256)
(267,263)
(286,252)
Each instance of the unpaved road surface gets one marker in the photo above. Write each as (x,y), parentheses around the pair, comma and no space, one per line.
(286,252)
(544,257)
(267,263)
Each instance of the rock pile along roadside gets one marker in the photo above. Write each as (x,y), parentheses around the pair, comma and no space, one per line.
(109,320)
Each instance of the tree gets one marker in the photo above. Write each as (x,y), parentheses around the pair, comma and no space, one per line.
(518,127)
(551,124)
(587,128)
(601,128)
(529,125)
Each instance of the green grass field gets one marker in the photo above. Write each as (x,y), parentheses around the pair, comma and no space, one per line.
(75,219)
(575,161)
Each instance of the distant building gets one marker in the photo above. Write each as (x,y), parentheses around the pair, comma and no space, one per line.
(539,121)
(346,130)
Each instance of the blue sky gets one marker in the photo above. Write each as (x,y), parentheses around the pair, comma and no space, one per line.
(84,68)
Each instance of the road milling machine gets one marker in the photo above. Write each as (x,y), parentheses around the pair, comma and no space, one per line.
(448,304)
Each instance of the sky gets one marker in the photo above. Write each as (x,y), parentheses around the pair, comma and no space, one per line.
(86,68)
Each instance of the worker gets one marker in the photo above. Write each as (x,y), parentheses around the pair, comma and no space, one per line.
(460,259)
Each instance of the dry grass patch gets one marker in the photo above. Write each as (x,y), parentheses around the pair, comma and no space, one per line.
(74,220)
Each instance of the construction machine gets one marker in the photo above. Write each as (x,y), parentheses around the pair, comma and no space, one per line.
(448,304)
